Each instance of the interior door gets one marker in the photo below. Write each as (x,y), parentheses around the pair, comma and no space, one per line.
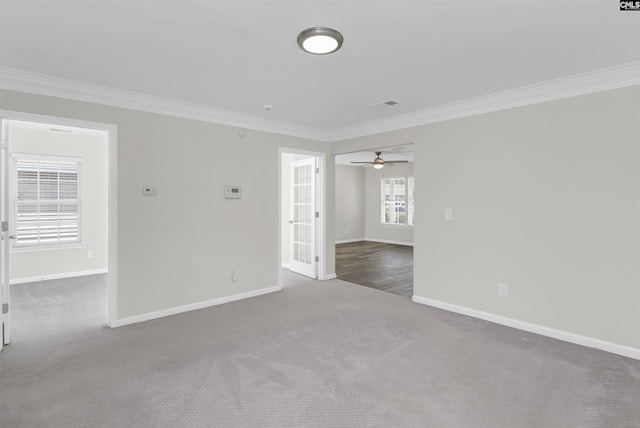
(4,247)
(303,217)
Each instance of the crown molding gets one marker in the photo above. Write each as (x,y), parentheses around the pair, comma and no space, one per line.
(579,84)
(24,81)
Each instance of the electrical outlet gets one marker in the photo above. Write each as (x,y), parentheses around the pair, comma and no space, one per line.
(503,290)
(234,276)
(90,254)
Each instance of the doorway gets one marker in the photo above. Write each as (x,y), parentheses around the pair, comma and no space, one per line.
(374,218)
(302,219)
(58,211)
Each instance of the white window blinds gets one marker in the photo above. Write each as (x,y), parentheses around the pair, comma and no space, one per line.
(47,201)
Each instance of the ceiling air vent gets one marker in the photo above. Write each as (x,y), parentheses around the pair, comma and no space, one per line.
(389,103)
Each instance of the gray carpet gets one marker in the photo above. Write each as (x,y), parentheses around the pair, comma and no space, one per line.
(317,354)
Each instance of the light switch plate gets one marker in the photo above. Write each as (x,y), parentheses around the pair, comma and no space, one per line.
(149,191)
(448,214)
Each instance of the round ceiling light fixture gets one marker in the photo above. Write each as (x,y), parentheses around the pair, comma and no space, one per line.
(320,40)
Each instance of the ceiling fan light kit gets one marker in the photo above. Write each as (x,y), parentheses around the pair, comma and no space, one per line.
(320,40)
(378,162)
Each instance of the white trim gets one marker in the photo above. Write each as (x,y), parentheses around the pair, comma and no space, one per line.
(580,84)
(286,266)
(192,307)
(328,277)
(58,276)
(589,342)
(24,81)
(349,241)
(387,241)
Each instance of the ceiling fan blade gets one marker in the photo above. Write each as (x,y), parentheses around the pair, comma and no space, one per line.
(396,161)
(362,162)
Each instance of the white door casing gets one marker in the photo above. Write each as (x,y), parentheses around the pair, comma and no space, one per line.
(4,244)
(302,220)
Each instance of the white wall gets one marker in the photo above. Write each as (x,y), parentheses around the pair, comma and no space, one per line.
(91,146)
(545,199)
(180,247)
(349,202)
(374,229)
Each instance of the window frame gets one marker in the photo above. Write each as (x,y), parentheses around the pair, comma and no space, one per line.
(408,201)
(17,246)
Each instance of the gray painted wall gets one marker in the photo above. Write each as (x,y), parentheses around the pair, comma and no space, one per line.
(545,199)
(180,247)
(349,203)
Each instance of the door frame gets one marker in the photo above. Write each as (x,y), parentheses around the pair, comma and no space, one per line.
(112,198)
(321,207)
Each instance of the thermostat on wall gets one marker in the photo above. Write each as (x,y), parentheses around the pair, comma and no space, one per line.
(232,192)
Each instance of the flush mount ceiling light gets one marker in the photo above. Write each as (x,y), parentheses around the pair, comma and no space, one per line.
(320,40)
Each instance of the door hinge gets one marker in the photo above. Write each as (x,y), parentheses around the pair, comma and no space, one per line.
(317,258)
(317,170)
(317,214)
(5,308)
(5,226)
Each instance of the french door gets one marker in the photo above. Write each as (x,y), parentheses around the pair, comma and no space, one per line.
(303,217)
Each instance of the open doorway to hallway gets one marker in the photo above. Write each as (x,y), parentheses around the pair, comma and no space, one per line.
(374,218)
(56,243)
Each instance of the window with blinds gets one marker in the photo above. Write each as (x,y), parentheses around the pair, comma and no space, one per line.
(47,201)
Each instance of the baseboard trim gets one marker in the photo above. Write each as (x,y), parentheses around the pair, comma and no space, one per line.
(328,277)
(349,241)
(192,307)
(590,342)
(58,276)
(286,266)
(386,241)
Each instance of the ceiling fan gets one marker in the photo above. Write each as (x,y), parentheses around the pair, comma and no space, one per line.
(379,163)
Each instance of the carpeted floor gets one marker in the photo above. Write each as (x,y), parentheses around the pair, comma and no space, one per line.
(317,354)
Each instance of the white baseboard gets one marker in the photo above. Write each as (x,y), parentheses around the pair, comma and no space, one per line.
(328,277)
(58,276)
(385,241)
(589,342)
(349,241)
(286,266)
(192,307)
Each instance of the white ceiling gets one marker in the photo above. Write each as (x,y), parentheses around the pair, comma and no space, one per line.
(238,55)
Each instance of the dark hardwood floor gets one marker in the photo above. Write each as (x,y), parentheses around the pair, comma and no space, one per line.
(387,267)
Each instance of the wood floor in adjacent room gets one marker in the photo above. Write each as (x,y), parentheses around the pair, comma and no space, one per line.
(386,267)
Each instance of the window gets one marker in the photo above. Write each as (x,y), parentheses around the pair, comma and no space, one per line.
(397,201)
(47,200)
